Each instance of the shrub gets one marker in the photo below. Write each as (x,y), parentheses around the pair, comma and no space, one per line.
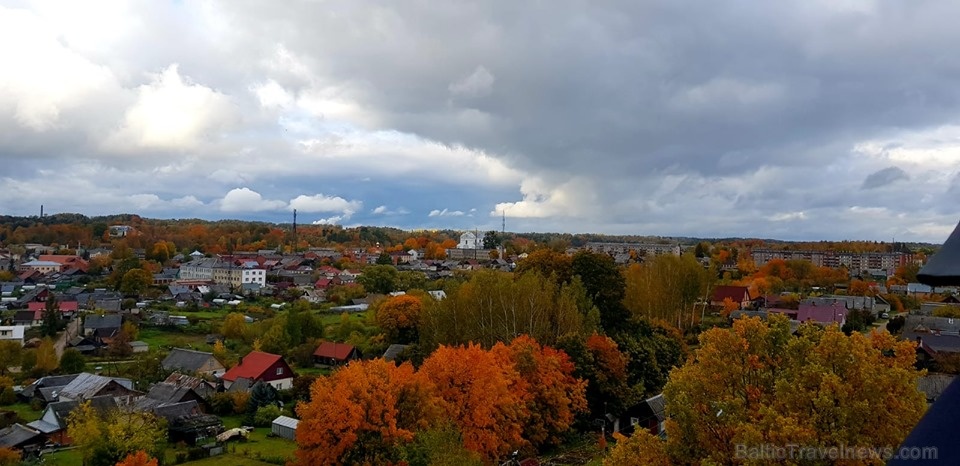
(265,415)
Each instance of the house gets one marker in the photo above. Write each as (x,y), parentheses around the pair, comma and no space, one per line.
(934,335)
(106,325)
(266,367)
(648,414)
(45,389)
(835,312)
(193,362)
(28,318)
(68,309)
(53,421)
(22,438)
(86,386)
(332,353)
(12,333)
(393,351)
(738,294)
(186,422)
(202,387)
(284,427)
(165,393)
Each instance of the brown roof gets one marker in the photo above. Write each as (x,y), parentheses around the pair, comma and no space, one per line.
(735,293)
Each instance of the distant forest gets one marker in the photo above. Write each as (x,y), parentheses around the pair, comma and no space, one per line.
(225,236)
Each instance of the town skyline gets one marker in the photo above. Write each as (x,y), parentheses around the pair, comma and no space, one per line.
(795,120)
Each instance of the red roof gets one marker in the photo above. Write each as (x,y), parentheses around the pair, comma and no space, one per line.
(735,293)
(323,283)
(65,306)
(338,351)
(252,366)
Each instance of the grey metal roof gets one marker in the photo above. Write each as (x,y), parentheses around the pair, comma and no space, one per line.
(86,386)
(17,435)
(186,360)
(658,405)
(173,411)
(286,422)
(393,350)
(106,321)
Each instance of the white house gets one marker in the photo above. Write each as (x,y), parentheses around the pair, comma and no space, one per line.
(12,333)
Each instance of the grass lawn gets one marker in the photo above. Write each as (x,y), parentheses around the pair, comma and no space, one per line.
(161,339)
(24,411)
(64,458)
(232,460)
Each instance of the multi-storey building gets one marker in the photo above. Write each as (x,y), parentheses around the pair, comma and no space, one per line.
(223,272)
(854,261)
(641,249)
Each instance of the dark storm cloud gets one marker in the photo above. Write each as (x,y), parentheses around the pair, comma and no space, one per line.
(884,177)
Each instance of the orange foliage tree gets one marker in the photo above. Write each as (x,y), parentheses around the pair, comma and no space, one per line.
(482,395)
(399,316)
(553,395)
(362,413)
(138,458)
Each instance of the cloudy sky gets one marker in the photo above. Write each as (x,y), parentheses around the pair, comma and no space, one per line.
(802,120)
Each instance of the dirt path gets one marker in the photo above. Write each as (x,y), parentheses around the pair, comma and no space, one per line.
(73,329)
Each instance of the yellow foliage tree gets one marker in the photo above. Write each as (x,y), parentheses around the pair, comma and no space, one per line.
(757,385)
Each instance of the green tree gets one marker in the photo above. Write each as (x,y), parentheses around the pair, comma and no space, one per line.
(234,326)
(380,279)
(52,321)
(135,281)
(492,240)
(72,362)
(605,286)
(384,259)
(261,394)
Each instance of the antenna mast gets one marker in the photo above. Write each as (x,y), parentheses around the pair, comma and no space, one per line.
(295,231)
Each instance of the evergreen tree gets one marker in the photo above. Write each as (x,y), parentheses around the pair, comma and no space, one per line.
(51,317)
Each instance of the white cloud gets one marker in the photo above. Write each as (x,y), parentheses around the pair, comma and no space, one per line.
(324,203)
(41,78)
(272,95)
(173,113)
(187,202)
(379,210)
(246,200)
(335,220)
(445,213)
(477,84)
(788,216)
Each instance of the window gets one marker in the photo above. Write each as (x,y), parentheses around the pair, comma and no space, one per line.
(279,371)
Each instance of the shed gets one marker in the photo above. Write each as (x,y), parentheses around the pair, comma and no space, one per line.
(285,427)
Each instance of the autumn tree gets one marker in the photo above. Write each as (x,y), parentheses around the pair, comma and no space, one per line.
(234,326)
(135,281)
(11,354)
(757,384)
(105,438)
(495,306)
(439,446)
(399,316)
(667,288)
(480,395)
(46,358)
(547,262)
(362,413)
(138,458)
(553,396)
(9,457)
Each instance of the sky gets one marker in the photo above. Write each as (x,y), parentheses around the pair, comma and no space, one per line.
(794,120)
